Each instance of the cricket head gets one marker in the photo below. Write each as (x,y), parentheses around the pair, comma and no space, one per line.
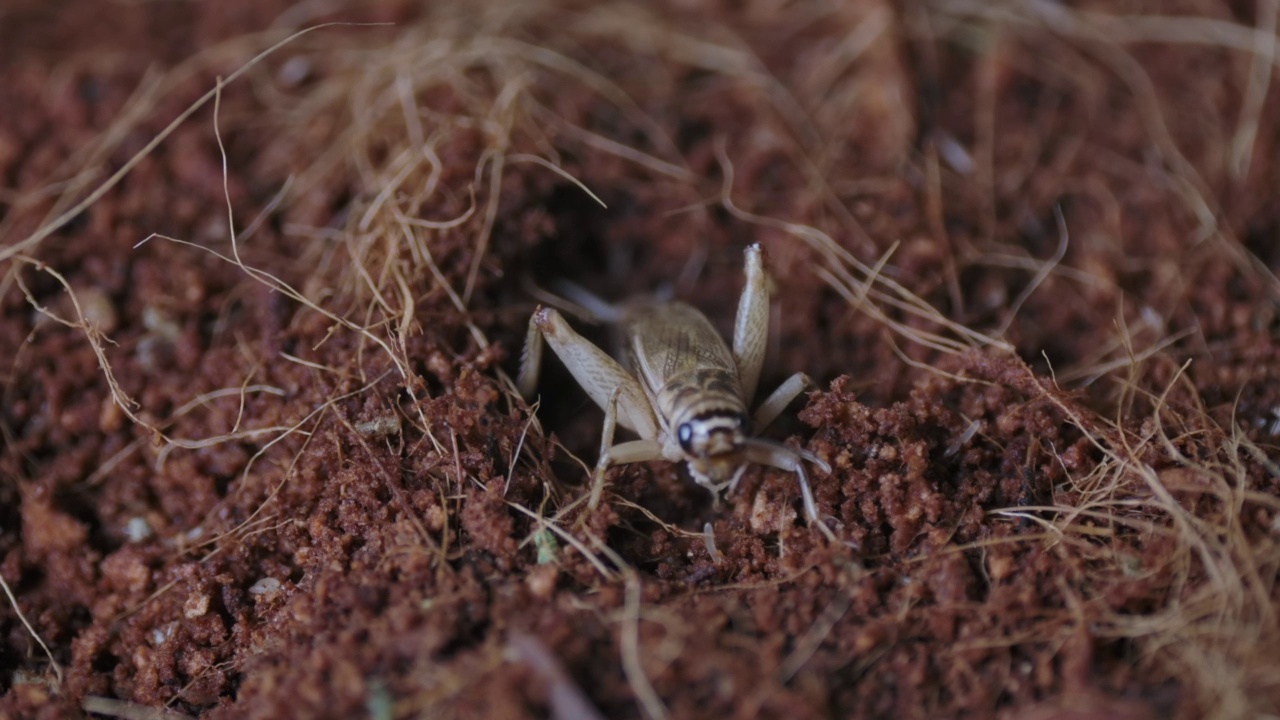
(714,443)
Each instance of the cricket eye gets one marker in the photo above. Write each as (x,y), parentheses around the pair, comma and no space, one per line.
(685,435)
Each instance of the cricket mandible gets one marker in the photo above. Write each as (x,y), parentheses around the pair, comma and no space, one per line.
(686,393)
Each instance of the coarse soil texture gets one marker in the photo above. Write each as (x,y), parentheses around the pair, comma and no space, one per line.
(266,271)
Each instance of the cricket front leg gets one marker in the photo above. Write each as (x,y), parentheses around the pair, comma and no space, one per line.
(751,326)
(782,457)
(625,453)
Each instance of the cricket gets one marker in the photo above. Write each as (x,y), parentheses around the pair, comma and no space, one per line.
(679,387)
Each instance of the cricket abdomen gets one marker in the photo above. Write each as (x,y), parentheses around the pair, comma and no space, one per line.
(669,342)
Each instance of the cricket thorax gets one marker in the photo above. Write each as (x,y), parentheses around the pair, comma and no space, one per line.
(700,393)
(709,420)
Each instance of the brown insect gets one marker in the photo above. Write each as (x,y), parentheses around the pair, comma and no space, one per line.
(685,392)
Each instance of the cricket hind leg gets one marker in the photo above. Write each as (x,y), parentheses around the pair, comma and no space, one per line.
(530,359)
(598,374)
(751,325)
(608,384)
(575,300)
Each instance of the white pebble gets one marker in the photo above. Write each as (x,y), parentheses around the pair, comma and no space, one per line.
(265,586)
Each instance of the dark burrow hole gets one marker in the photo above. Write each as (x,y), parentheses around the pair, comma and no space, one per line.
(614,254)
(593,250)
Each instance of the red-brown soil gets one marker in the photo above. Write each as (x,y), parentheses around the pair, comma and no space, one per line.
(1027,251)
